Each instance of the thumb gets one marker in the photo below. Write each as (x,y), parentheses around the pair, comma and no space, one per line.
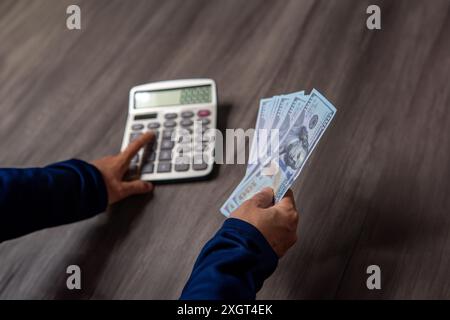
(264,198)
(136,187)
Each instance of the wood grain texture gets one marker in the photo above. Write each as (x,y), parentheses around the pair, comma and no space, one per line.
(375,191)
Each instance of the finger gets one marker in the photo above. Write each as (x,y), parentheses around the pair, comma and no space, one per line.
(288,201)
(136,187)
(286,209)
(137,144)
(264,198)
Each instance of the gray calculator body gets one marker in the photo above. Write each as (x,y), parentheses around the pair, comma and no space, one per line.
(183,115)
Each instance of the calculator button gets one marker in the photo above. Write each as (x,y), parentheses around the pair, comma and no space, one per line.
(187,114)
(184,139)
(167,134)
(201,129)
(134,136)
(185,132)
(183,153)
(165,155)
(151,156)
(137,127)
(205,121)
(185,143)
(148,168)
(170,116)
(153,125)
(164,167)
(203,113)
(200,158)
(201,166)
(167,144)
(181,167)
(186,123)
(182,163)
(182,159)
(170,124)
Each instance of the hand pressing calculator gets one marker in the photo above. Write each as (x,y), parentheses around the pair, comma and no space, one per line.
(182,114)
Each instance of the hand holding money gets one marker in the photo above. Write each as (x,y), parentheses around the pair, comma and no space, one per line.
(297,121)
(278,223)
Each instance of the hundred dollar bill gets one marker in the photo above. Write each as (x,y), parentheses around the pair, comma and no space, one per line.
(267,133)
(295,148)
(295,108)
(246,186)
(263,121)
(261,141)
(284,104)
(302,139)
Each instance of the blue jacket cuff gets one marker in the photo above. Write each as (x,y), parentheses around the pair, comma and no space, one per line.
(249,231)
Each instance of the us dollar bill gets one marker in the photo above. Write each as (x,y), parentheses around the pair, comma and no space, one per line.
(295,108)
(263,121)
(302,139)
(267,134)
(296,145)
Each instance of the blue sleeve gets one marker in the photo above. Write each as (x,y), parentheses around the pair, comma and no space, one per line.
(37,198)
(232,265)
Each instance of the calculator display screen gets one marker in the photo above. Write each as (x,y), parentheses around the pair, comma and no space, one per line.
(170,97)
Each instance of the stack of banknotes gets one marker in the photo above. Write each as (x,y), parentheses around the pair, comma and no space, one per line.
(288,129)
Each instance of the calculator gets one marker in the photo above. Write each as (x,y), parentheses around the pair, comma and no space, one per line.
(183,115)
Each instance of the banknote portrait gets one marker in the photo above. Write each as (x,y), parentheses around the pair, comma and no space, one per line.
(296,148)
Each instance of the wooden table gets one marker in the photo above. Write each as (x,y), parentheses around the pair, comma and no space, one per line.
(375,191)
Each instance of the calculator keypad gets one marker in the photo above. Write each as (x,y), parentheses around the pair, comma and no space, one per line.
(180,146)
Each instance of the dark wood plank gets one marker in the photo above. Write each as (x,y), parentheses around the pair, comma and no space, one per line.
(374,191)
